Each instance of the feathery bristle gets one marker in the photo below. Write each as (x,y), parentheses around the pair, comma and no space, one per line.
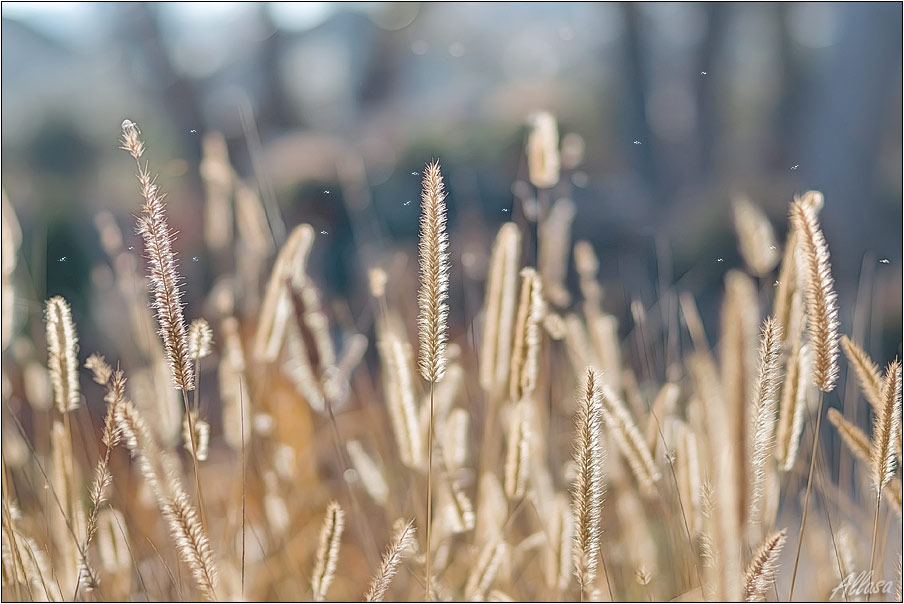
(867,372)
(758,577)
(587,492)
(499,308)
(764,411)
(822,302)
(200,339)
(158,245)
(401,544)
(328,550)
(887,428)
(62,354)
(756,239)
(433,256)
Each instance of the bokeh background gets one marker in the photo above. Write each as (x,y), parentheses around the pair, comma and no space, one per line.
(677,107)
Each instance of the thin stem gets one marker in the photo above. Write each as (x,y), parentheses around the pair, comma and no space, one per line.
(872,556)
(429,493)
(803,521)
(194,458)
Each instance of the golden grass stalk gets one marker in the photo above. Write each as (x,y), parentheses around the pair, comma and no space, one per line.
(867,372)
(499,308)
(62,354)
(369,472)
(887,428)
(234,392)
(517,459)
(793,408)
(543,151)
(555,235)
(68,520)
(400,399)
(822,302)
(484,570)
(764,402)
(433,256)
(528,336)
(217,176)
(588,488)
(761,568)
(158,245)
(115,383)
(328,551)
(738,363)
(560,534)
(160,472)
(291,263)
(629,439)
(9,251)
(401,544)
(756,239)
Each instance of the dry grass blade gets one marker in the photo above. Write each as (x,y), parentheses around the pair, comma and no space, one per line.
(822,302)
(328,550)
(793,408)
(402,541)
(760,570)
(434,276)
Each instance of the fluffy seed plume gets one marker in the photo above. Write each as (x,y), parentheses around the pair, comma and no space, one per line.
(543,151)
(793,408)
(62,354)
(587,492)
(822,302)
(528,336)
(328,550)
(867,372)
(200,339)
(499,308)
(758,577)
(887,428)
(158,247)
(855,439)
(629,439)
(434,272)
(401,544)
(764,410)
(756,239)
(159,470)
(517,459)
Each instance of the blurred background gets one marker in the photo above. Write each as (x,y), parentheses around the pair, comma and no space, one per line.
(669,110)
